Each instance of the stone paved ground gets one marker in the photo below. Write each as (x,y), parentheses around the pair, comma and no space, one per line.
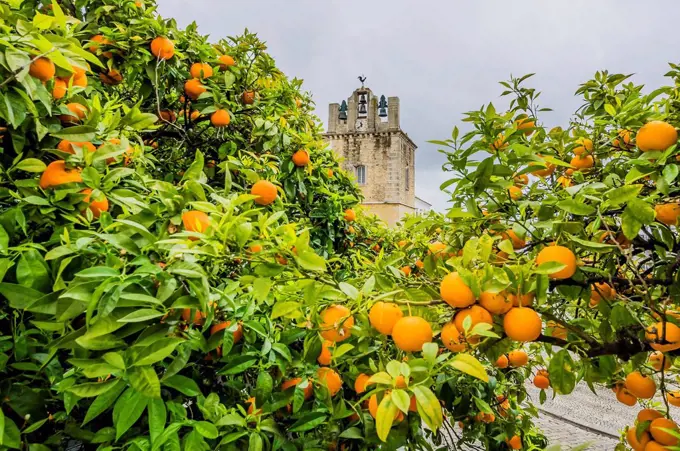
(560,432)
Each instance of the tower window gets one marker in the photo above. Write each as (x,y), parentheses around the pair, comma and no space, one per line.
(360,172)
(408,178)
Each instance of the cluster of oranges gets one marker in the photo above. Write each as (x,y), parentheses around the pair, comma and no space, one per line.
(651,432)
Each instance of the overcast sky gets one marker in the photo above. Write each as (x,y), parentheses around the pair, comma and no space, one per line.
(443,58)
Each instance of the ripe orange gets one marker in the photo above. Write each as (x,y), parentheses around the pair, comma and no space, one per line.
(194,88)
(248,97)
(95,206)
(601,290)
(673,398)
(623,139)
(420,264)
(526,300)
(625,397)
(541,171)
(201,70)
(198,319)
(195,115)
(57,174)
(485,417)
(162,48)
(522,324)
(59,89)
(195,221)
(436,248)
(98,41)
(663,338)
(667,213)
(499,143)
(219,118)
(656,135)
(648,415)
(265,191)
(384,315)
(655,446)
(541,381)
(400,382)
(496,303)
(43,69)
(406,270)
(565,182)
(580,162)
(586,145)
(226,62)
(661,436)
(515,192)
(515,442)
(255,248)
(111,78)
(518,358)
(637,445)
(361,383)
(451,338)
(502,362)
(330,173)
(325,356)
(251,407)
(373,407)
(476,313)
(411,333)
(336,323)
(558,254)
(455,292)
(65,146)
(238,333)
(525,124)
(168,116)
(308,391)
(521,179)
(78,113)
(330,379)
(300,158)
(517,241)
(640,386)
(350,216)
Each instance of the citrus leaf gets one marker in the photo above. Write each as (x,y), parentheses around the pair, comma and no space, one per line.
(470,365)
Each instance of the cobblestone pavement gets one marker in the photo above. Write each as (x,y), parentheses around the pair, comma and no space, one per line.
(564,433)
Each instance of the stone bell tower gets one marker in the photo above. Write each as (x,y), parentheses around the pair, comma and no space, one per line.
(365,131)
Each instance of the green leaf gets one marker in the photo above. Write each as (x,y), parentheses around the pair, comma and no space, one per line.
(576,207)
(308,422)
(207,430)
(562,372)
(19,297)
(79,133)
(145,381)
(92,389)
(140,315)
(623,194)
(349,290)
(286,309)
(429,408)
(31,165)
(470,365)
(636,214)
(104,401)
(385,417)
(157,351)
(98,272)
(310,261)
(127,411)
(183,385)
(401,399)
(549,268)
(32,271)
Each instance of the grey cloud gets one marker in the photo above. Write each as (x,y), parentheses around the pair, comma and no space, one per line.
(443,58)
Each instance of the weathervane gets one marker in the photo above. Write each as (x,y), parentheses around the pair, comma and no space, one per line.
(362,79)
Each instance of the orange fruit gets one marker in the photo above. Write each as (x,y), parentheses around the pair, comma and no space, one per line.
(331,327)
(526,300)
(521,179)
(195,115)
(300,158)
(655,446)
(325,356)
(59,89)
(580,162)
(201,70)
(661,436)
(648,415)
(111,78)
(663,338)
(57,174)
(65,146)
(219,118)
(384,315)
(238,333)
(43,69)
(420,264)
(78,113)
(586,145)
(525,124)
(411,333)
(248,97)
(656,135)
(251,407)
(559,254)
(517,241)
(499,143)
(522,324)
(625,397)
(667,213)
(515,442)
(308,391)
(168,116)
(640,386)
(97,42)
(542,382)
(541,171)
(451,338)
(565,182)
(373,407)
(413,405)
(485,417)
(515,192)
(226,62)
(634,442)
(350,215)
(673,398)
(255,248)
(601,290)
(330,173)
(406,270)
(195,221)
(502,362)
(265,191)
(455,292)
(198,318)
(623,139)
(400,382)
(194,88)
(162,48)
(656,358)
(476,313)
(330,379)
(496,303)
(361,383)
(518,358)
(95,206)
(436,248)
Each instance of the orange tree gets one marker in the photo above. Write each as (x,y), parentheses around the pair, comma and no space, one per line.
(181,263)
